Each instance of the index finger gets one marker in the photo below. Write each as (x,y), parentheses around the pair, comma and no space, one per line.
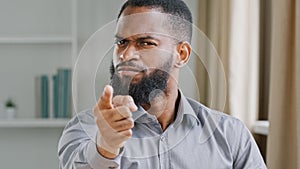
(105,101)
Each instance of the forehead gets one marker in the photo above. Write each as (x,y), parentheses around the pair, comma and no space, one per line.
(142,20)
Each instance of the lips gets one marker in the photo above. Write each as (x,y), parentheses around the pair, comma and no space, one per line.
(128,70)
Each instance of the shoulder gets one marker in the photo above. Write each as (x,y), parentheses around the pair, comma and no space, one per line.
(230,134)
(204,113)
(220,126)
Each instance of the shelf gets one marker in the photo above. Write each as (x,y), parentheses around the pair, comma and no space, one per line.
(35,40)
(261,127)
(33,123)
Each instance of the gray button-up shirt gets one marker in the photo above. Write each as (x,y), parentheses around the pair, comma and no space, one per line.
(199,138)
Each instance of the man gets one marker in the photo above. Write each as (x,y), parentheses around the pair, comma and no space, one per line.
(143,120)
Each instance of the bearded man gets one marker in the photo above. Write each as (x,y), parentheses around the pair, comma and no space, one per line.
(143,120)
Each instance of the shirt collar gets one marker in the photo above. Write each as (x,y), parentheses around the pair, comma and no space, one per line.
(137,115)
(184,110)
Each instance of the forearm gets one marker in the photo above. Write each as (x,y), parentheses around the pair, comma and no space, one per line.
(77,147)
(72,156)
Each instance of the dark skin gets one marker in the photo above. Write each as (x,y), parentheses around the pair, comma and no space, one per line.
(139,40)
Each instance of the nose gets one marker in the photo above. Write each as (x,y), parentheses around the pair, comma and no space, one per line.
(129,53)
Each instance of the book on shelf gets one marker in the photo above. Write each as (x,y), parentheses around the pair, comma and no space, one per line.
(45,96)
(42,94)
(53,95)
(38,98)
(63,94)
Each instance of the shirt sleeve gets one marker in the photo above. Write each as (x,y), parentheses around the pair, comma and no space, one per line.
(77,148)
(246,152)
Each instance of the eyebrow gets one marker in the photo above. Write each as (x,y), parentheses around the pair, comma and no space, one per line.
(139,38)
(118,37)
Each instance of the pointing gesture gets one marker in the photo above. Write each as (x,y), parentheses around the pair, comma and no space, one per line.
(105,101)
(114,121)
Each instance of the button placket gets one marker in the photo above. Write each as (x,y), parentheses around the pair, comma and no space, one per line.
(163,152)
(163,138)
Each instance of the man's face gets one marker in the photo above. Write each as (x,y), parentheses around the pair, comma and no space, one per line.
(144,54)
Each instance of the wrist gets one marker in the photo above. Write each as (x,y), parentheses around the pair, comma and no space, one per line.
(108,154)
(105,149)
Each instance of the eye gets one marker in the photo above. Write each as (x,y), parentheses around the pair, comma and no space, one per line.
(147,44)
(121,42)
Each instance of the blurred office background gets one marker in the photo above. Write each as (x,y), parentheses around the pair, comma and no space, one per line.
(246,62)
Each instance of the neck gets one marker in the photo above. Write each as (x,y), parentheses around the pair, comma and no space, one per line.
(164,105)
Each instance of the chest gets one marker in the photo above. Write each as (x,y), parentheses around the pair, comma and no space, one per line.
(181,148)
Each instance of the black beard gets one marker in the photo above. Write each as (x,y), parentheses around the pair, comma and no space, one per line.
(146,89)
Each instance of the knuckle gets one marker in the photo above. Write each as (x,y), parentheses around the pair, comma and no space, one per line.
(127,133)
(131,123)
(126,113)
(128,98)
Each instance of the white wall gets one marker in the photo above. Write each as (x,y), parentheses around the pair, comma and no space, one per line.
(93,15)
(29,148)
(187,80)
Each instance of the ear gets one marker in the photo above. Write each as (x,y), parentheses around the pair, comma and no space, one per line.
(184,51)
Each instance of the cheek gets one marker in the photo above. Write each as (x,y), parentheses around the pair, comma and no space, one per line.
(156,58)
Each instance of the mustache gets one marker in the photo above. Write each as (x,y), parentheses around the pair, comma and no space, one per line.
(131,64)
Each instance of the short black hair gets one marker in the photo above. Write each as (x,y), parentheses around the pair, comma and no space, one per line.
(181,24)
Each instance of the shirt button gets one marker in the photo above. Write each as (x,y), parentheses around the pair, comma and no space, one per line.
(163,138)
(150,119)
